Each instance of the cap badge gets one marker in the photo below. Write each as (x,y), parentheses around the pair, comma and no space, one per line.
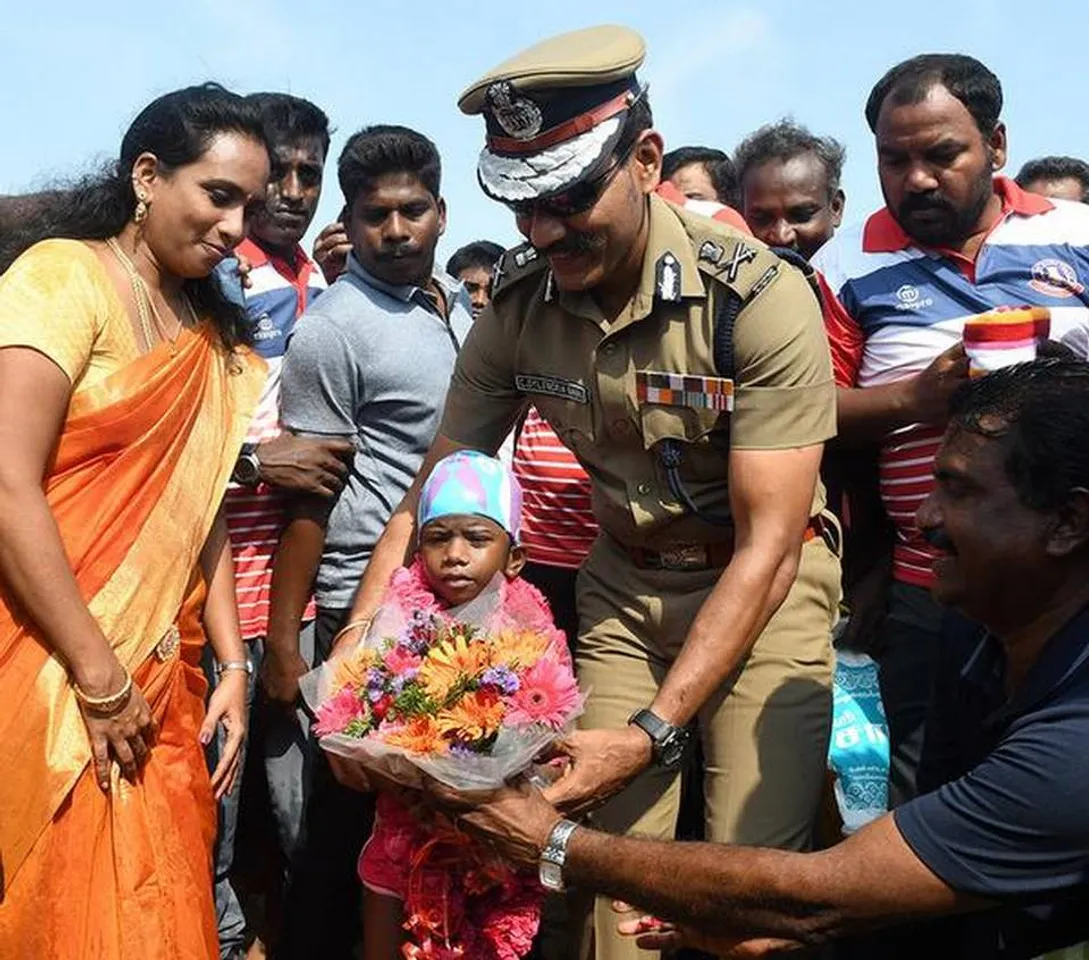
(519,117)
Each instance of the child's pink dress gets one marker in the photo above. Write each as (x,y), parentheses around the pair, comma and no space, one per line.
(394,854)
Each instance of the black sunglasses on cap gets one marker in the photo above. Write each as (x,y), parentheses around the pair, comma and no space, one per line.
(577,199)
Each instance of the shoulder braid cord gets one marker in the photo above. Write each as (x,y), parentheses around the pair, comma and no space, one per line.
(727,309)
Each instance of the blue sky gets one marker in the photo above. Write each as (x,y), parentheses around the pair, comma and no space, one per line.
(73,74)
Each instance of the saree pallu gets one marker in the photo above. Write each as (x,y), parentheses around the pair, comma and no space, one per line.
(138,476)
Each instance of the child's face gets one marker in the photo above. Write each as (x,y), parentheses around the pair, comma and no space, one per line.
(462,552)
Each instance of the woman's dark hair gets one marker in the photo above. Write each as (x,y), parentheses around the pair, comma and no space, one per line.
(964,77)
(177,128)
(376,151)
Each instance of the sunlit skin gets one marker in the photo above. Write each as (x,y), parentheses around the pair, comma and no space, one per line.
(294,190)
(462,553)
(394,228)
(936,171)
(601,249)
(198,213)
(789,204)
(1062,188)
(694,182)
(478,284)
(993,550)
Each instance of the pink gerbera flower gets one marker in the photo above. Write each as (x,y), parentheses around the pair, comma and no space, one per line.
(337,712)
(399,660)
(547,695)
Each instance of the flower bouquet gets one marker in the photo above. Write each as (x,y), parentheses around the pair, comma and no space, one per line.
(470,696)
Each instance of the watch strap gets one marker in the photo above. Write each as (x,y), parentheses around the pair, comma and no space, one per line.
(555,848)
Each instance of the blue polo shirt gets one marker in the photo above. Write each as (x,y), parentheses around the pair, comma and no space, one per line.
(1007,818)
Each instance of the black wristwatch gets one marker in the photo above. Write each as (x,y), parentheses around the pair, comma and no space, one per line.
(247,468)
(667,741)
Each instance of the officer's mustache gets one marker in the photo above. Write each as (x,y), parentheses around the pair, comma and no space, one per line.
(573,245)
(939,539)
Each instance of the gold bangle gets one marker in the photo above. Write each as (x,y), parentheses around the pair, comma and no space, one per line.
(365,622)
(105,706)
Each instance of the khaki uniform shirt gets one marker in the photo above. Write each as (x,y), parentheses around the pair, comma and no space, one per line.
(603,386)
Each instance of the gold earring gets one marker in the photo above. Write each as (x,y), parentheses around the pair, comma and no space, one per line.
(139,215)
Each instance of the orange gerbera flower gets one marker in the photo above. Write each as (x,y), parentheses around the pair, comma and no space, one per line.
(352,670)
(420,735)
(475,716)
(519,648)
(450,661)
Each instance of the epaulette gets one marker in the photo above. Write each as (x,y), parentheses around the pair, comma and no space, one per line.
(516,264)
(741,263)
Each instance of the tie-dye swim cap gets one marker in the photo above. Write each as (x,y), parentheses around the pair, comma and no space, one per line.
(470,482)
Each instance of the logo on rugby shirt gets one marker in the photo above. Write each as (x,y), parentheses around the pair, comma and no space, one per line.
(1055,278)
(265,329)
(911,299)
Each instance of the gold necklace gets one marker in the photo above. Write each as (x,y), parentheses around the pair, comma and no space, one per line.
(145,304)
(139,292)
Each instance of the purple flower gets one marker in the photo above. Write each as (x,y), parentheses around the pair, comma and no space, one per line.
(503,679)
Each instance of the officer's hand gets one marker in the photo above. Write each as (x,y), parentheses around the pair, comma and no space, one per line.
(602,763)
(929,391)
(514,820)
(331,249)
(305,464)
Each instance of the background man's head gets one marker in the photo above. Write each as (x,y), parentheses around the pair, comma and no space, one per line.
(473,265)
(790,186)
(1010,509)
(298,140)
(1062,178)
(939,143)
(390,177)
(701,173)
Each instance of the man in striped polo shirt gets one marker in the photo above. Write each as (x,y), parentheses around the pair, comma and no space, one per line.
(282,281)
(953,240)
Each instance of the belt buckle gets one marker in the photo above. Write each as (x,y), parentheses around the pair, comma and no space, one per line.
(692,556)
(168,645)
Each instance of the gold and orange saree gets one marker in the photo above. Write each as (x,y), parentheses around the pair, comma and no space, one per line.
(139,473)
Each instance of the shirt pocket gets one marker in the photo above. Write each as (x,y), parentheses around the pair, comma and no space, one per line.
(695,421)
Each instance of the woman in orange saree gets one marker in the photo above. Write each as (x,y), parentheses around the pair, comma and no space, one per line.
(125,392)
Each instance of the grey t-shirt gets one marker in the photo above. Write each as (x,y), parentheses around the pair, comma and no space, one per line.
(372,362)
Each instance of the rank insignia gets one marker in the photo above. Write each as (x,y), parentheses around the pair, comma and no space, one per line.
(667,277)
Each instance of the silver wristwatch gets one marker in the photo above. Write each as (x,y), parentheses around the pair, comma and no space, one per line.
(554,855)
(247,468)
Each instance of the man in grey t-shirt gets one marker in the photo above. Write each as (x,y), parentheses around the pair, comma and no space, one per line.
(371,361)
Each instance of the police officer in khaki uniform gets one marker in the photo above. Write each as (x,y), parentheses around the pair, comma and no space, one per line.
(707,603)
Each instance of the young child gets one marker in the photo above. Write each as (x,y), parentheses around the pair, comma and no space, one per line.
(468,521)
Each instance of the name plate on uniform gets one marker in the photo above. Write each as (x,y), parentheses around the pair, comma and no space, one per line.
(680,390)
(552,387)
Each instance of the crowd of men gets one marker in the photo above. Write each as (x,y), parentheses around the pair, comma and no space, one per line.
(986,723)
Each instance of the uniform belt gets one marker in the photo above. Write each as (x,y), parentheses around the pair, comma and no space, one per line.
(715,556)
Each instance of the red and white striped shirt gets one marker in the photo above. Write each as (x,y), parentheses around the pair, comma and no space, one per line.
(558,525)
(891,306)
(278,294)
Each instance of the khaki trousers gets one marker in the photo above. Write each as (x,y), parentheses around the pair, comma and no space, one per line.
(764,733)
